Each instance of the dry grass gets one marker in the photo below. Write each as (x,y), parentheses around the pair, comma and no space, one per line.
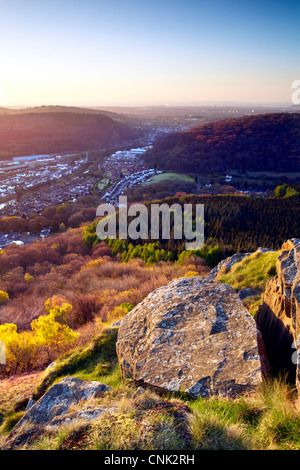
(16,387)
(268,419)
(131,421)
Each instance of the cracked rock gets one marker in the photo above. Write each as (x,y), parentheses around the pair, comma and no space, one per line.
(213,348)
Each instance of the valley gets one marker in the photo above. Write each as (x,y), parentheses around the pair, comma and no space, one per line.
(65,295)
(33,186)
(149,228)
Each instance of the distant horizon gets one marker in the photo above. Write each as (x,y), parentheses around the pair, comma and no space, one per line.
(158,105)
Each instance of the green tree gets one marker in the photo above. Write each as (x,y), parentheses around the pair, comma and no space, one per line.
(280,191)
(291,192)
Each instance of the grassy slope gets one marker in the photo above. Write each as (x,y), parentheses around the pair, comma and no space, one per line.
(253,271)
(97,361)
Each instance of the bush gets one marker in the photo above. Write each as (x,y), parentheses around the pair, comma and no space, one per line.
(3,297)
(84,309)
(20,348)
(120,311)
(211,255)
(191,274)
(14,224)
(49,336)
(28,278)
(52,335)
(285,191)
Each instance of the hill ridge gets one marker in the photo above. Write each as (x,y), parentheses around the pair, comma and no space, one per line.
(58,131)
(265,142)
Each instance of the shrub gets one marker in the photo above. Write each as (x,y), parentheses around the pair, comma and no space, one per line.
(101,250)
(51,335)
(94,263)
(3,296)
(211,254)
(59,309)
(285,191)
(20,348)
(14,224)
(84,309)
(120,311)
(191,274)
(28,278)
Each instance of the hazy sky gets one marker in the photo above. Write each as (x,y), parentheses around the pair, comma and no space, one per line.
(127,52)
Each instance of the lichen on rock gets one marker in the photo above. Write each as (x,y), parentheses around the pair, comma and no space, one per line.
(193,335)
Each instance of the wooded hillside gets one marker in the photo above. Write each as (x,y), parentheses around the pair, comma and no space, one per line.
(267,142)
(50,132)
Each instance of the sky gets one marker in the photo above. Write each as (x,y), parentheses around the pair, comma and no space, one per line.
(148,52)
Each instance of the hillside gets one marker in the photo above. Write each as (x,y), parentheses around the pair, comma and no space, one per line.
(82,402)
(232,223)
(267,142)
(38,131)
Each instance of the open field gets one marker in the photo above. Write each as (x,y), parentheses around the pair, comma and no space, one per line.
(170,177)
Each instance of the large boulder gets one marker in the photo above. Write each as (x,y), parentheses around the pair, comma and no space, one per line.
(278,318)
(194,336)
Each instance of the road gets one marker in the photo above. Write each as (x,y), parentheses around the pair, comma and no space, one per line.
(129,160)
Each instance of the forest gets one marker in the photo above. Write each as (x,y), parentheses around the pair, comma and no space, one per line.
(266,142)
(233,223)
(51,132)
(55,218)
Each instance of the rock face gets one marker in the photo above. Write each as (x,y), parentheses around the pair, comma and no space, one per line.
(58,399)
(53,410)
(247,292)
(279,316)
(193,335)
